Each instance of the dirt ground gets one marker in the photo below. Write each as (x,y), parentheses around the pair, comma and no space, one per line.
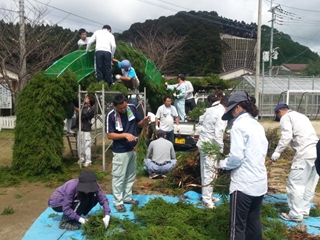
(29,200)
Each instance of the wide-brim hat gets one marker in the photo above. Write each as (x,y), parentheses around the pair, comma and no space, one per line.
(233,101)
(87,182)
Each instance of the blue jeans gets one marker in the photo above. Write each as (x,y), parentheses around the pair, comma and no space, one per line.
(170,136)
(160,169)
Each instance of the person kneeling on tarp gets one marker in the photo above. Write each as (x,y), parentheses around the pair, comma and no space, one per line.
(77,197)
(161,157)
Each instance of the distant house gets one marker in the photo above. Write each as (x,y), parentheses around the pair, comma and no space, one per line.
(5,94)
(12,72)
(235,73)
(295,68)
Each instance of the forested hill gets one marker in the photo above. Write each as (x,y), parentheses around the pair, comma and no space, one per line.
(189,42)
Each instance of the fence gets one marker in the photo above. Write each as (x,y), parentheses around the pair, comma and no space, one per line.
(7,122)
(10,123)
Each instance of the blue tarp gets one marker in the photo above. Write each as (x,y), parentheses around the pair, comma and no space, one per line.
(46,227)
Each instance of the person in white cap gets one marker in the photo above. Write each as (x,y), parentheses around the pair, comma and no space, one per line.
(297,130)
(77,197)
(248,150)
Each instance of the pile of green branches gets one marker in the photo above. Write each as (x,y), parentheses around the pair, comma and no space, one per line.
(159,219)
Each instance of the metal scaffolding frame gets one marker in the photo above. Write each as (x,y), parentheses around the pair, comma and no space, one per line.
(101,105)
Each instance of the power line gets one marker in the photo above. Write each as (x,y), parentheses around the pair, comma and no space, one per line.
(59,9)
(301,9)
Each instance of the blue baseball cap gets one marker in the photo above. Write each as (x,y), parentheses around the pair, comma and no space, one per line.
(279,106)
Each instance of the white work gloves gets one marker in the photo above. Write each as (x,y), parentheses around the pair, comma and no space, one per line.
(118,76)
(82,220)
(178,128)
(106,220)
(275,156)
(166,83)
(157,128)
(174,94)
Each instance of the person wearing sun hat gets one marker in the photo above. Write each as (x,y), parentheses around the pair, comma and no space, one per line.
(298,131)
(77,197)
(246,161)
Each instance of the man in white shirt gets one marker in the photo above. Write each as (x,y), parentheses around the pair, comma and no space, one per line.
(83,37)
(297,130)
(105,49)
(167,115)
(189,101)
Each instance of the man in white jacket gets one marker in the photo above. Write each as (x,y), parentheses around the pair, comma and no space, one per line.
(297,130)
(212,130)
(105,49)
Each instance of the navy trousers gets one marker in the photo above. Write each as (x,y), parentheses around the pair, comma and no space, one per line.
(245,217)
(103,67)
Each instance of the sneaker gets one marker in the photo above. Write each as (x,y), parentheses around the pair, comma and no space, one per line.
(153,176)
(87,164)
(80,162)
(163,176)
(120,208)
(71,132)
(287,217)
(215,199)
(134,202)
(208,206)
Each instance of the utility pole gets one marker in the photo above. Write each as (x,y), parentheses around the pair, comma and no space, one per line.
(22,41)
(257,78)
(273,18)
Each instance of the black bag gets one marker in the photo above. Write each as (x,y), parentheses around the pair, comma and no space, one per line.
(317,162)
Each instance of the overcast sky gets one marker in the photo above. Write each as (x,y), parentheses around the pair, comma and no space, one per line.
(300,18)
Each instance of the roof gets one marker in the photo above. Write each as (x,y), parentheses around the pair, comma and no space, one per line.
(295,67)
(277,85)
(237,69)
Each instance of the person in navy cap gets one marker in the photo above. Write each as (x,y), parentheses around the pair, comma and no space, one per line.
(297,130)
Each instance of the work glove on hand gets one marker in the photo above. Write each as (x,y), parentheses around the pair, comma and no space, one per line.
(157,128)
(178,128)
(82,220)
(275,156)
(106,220)
(118,76)
(174,94)
(166,83)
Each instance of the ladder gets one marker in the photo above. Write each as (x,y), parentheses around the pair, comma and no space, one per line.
(73,145)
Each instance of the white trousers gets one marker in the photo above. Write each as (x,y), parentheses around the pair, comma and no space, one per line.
(208,174)
(301,185)
(84,147)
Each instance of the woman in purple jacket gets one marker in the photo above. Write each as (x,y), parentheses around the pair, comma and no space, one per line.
(77,197)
